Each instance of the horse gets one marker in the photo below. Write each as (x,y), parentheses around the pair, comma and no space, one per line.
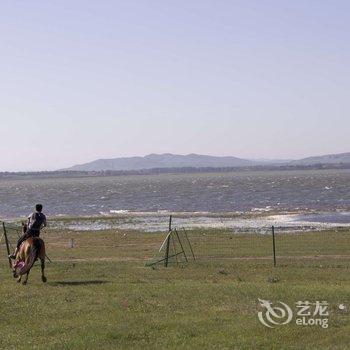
(30,250)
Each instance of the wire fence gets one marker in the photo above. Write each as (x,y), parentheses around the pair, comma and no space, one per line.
(8,237)
(180,246)
(267,244)
(277,249)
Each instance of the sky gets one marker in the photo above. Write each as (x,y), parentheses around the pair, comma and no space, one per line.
(83,80)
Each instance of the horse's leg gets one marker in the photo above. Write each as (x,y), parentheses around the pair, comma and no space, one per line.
(43,278)
(19,279)
(26,279)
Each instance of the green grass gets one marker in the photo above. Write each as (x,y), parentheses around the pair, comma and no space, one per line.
(100,294)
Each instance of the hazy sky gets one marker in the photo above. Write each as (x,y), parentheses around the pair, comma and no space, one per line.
(82,80)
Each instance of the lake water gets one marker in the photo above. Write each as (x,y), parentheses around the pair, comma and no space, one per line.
(277,192)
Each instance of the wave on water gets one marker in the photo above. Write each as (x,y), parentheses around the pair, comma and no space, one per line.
(265,209)
(121,211)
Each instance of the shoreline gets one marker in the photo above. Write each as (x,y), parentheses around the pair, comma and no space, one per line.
(256,221)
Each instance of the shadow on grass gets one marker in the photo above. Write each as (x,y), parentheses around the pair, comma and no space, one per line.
(77,283)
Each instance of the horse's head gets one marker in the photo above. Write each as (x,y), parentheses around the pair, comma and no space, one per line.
(17,266)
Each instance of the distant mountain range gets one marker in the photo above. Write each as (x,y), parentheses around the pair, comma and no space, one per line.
(168,160)
(165,160)
(340,158)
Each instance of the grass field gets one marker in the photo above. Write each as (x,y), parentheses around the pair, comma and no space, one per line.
(100,294)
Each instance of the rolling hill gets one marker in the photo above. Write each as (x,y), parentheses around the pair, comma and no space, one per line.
(168,160)
(341,158)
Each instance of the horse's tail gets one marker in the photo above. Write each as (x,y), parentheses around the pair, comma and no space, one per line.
(31,257)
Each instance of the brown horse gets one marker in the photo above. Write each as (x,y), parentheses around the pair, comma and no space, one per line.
(29,251)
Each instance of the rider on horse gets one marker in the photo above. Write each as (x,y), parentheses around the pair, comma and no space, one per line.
(36,221)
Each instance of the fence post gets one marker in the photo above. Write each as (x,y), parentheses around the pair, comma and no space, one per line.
(182,248)
(273,246)
(7,243)
(167,251)
(170,220)
(189,243)
(168,244)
